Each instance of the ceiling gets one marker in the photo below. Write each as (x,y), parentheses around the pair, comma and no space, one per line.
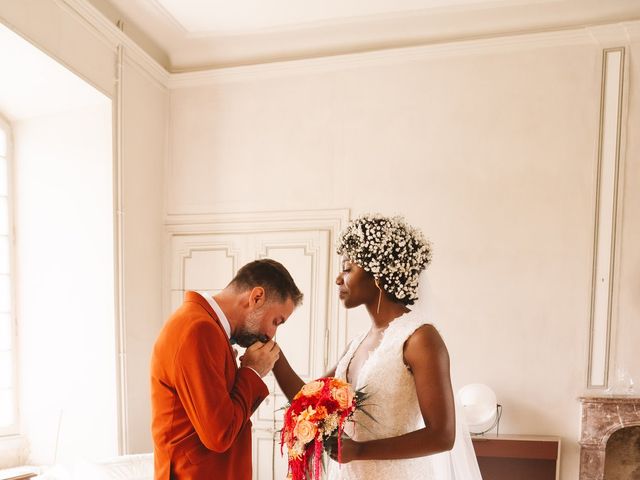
(190,35)
(217,17)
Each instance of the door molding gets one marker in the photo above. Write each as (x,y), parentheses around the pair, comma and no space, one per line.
(330,220)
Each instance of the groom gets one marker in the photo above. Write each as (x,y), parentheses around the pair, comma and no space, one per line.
(200,400)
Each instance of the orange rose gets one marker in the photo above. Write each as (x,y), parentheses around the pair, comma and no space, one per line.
(337,383)
(305,431)
(344,396)
(312,388)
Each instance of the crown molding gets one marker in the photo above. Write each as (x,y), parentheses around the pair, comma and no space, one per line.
(164,13)
(605,35)
(602,35)
(114,36)
(633,31)
(179,50)
(615,34)
(507,43)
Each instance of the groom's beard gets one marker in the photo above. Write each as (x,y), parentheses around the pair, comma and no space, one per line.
(250,333)
(246,339)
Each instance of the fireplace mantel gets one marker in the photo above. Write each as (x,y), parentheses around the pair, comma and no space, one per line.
(601,417)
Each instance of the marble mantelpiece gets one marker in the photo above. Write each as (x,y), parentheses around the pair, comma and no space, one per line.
(601,417)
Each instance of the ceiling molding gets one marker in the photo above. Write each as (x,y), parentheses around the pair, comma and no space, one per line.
(396,15)
(581,36)
(633,31)
(615,35)
(114,36)
(161,11)
(605,34)
(182,50)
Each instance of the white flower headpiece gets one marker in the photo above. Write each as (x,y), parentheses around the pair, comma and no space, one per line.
(391,250)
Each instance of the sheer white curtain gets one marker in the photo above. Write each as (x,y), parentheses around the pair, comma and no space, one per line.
(459,463)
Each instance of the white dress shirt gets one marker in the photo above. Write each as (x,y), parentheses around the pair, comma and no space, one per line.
(222,317)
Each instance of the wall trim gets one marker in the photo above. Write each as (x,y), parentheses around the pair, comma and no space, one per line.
(119,291)
(601,325)
(223,222)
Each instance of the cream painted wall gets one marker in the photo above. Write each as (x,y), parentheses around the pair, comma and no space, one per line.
(86,43)
(490,149)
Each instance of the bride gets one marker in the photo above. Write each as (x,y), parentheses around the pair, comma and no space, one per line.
(411,430)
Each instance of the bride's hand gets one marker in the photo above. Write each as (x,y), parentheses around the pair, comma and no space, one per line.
(349,451)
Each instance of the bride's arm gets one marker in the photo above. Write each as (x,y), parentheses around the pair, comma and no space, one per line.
(426,354)
(288,380)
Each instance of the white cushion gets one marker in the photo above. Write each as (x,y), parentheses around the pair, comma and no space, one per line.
(126,467)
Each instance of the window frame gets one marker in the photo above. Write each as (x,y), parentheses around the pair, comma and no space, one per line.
(14,428)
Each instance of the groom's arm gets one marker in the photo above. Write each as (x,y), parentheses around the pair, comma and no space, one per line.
(217,414)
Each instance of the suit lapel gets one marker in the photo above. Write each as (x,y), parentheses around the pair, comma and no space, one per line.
(200,300)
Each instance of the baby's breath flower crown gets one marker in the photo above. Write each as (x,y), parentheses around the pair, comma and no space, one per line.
(391,250)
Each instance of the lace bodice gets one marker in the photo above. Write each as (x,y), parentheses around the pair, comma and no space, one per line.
(392,403)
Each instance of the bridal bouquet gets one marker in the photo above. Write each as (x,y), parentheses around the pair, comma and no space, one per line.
(316,413)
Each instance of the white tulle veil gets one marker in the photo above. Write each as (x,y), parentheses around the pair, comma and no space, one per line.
(459,463)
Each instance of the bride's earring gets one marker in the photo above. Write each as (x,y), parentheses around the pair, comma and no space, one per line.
(379,295)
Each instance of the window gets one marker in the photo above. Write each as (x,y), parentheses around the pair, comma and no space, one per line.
(8,383)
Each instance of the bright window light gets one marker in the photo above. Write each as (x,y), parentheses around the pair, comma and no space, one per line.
(8,390)
(3,143)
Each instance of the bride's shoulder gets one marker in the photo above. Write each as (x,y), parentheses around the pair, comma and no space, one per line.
(425,349)
(424,337)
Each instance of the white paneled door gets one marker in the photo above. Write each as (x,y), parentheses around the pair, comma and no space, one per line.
(207,260)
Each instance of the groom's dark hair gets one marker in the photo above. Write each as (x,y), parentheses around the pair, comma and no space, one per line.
(270,275)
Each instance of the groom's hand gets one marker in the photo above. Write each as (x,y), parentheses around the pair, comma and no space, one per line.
(261,357)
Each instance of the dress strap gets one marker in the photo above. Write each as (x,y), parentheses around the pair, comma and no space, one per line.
(345,361)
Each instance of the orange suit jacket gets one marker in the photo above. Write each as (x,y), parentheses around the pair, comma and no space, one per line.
(200,400)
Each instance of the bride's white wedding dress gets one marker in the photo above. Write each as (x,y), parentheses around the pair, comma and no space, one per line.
(393,404)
